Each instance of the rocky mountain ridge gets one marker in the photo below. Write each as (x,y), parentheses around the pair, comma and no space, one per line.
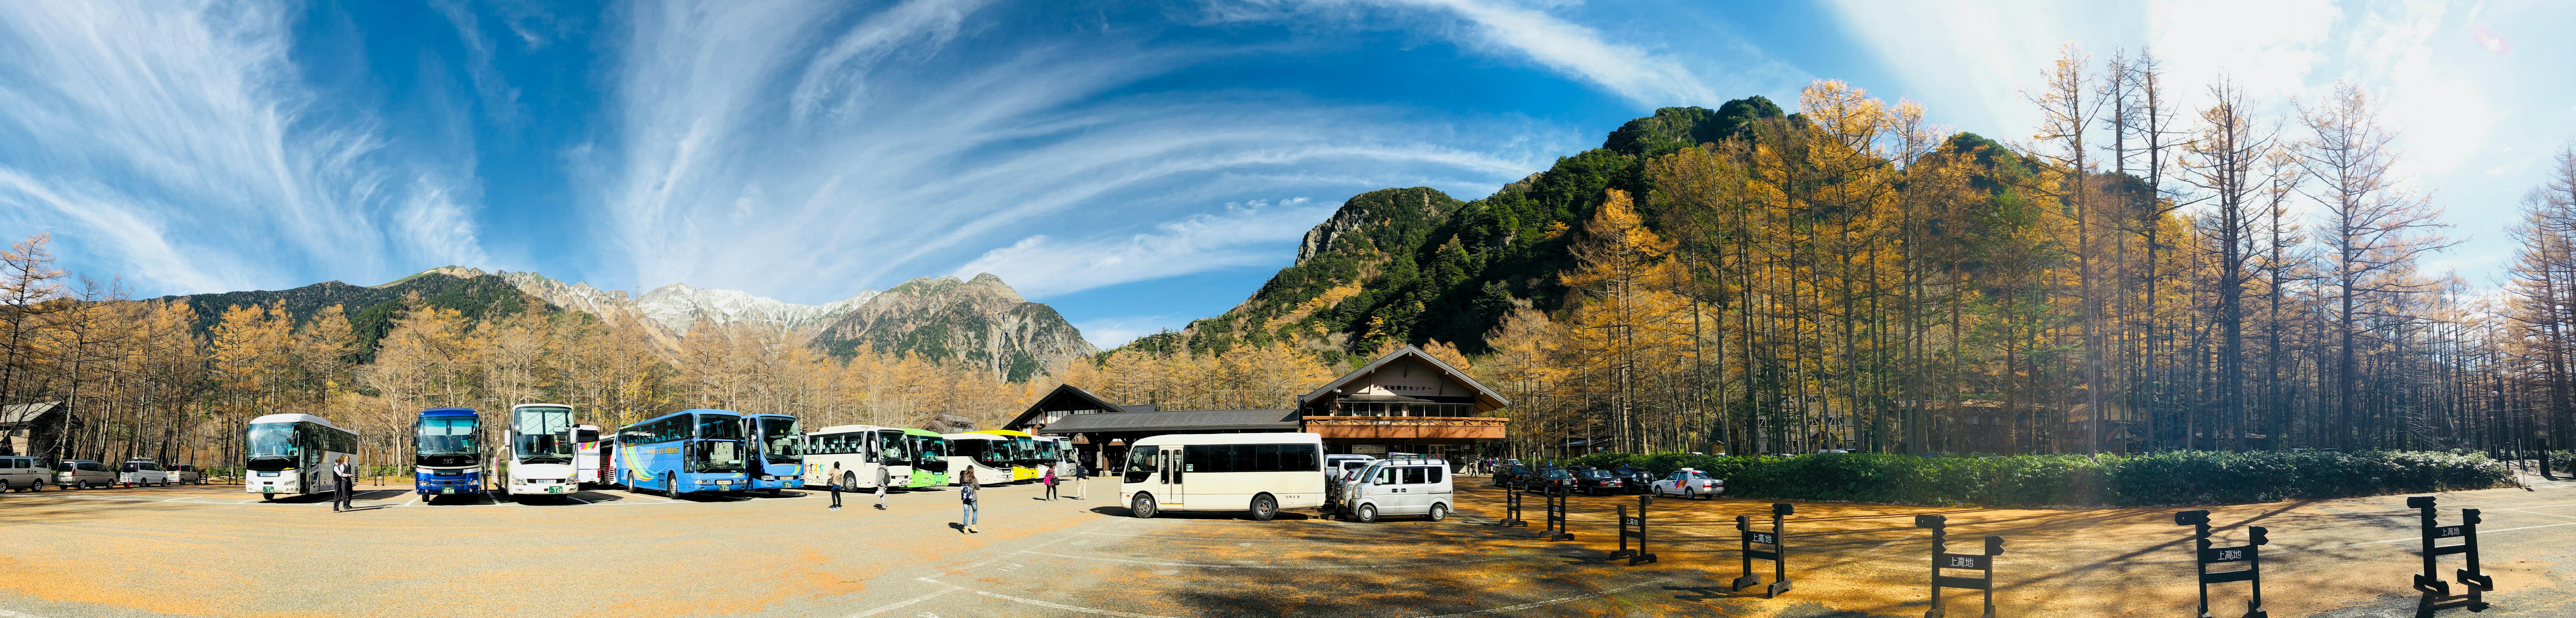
(981,321)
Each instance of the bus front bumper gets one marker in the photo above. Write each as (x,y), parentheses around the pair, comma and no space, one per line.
(787,481)
(543,487)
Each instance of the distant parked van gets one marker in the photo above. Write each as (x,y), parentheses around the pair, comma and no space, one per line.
(83,474)
(1401,487)
(142,472)
(187,474)
(24,474)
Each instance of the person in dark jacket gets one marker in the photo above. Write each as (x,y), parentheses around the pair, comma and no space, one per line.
(1081,480)
(966,493)
(341,477)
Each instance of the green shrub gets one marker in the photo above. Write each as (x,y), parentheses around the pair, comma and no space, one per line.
(2155,479)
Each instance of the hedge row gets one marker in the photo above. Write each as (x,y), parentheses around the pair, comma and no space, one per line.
(2157,479)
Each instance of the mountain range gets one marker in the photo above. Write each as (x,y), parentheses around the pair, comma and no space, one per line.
(980,321)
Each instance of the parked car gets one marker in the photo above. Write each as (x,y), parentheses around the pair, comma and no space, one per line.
(1510,474)
(24,474)
(1551,477)
(83,474)
(142,472)
(1338,471)
(1596,481)
(1402,487)
(1689,483)
(187,474)
(1638,479)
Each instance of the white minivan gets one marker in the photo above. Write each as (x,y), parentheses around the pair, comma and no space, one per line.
(24,473)
(142,472)
(186,474)
(1401,487)
(83,474)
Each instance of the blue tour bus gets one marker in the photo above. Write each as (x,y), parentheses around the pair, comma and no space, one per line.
(447,453)
(682,452)
(777,457)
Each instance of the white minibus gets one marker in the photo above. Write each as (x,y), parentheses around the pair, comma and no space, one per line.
(861,450)
(1257,472)
(988,455)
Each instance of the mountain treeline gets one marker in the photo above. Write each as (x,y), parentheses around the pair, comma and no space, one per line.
(2134,276)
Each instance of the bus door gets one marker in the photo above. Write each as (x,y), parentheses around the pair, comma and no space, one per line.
(1175,480)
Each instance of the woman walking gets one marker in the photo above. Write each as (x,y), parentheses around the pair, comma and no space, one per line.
(884,478)
(836,486)
(1050,483)
(966,493)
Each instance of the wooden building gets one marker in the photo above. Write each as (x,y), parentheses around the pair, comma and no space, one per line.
(1404,402)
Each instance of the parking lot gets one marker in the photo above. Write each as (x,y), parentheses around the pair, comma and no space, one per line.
(215,551)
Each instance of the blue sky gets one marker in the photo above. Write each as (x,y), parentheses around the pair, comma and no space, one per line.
(1135,164)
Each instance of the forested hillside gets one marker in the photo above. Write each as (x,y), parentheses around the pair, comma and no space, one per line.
(371,309)
(1416,265)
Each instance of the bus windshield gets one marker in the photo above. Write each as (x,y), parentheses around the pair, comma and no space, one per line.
(444,435)
(716,456)
(273,440)
(1024,451)
(543,435)
(994,453)
(891,447)
(929,449)
(780,441)
(719,426)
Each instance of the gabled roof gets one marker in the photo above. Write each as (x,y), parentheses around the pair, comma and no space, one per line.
(1174,421)
(25,412)
(1067,397)
(1486,398)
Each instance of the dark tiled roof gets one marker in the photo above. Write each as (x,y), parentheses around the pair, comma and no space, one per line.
(1186,420)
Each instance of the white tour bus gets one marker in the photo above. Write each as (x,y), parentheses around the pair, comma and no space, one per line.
(541,450)
(861,450)
(1257,472)
(585,455)
(1058,452)
(987,454)
(293,453)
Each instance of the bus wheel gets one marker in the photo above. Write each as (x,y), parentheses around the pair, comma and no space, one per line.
(671,484)
(1368,513)
(1143,507)
(1264,507)
(629,478)
(849,481)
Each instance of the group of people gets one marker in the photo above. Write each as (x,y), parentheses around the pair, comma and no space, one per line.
(967,489)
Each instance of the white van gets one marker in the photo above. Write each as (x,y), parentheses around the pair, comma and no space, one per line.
(186,474)
(1401,487)
(1257,472)
(142,472)
(24,473)
(1338,469)
(83,474)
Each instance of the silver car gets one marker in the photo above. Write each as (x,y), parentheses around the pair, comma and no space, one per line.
(82,474)
(24,474)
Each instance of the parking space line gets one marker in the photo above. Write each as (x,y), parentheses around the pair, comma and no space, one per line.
(1515,608)
(2540,514)
(1005,597)
(10,614)
(575,499)
(910,601)
(1270,566)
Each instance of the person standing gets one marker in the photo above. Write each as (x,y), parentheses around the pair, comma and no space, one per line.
(966,493)
(341,477)
(836,487)
(884,478)
(1050,483)
(1081,480)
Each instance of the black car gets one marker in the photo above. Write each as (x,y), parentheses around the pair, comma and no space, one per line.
(1638,479)
(1596,481)
(1551,477)
(1510,475)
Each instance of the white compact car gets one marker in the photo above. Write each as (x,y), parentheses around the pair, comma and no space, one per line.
(142,472)
(1689,483)
(1401,487)
(27,473)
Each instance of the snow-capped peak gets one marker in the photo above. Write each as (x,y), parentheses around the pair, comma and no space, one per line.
(678,305)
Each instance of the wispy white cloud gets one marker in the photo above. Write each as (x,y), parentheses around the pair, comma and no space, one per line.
(1644,76)
(1244,234)
(802,152)
(140,132)
(1111,332)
